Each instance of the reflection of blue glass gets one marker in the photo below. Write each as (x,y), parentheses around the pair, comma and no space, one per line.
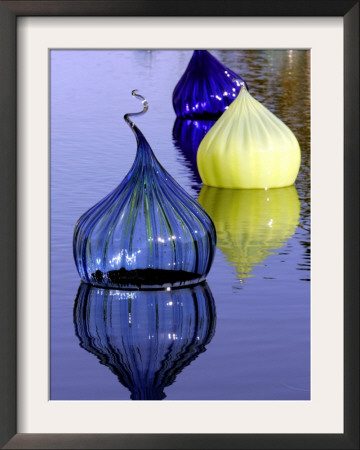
(206,88)
(147,233)
(146,338)
(187,135)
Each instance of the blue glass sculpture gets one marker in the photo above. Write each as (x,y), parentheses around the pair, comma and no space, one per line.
(146,338)
(206,88)
(146,234)
(187,135)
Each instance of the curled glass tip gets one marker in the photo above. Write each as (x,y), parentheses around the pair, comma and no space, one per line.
(140,113)
(148,233)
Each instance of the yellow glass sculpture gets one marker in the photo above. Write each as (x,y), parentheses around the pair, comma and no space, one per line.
(248,148)
(251,224)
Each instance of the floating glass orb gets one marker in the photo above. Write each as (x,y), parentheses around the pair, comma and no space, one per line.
(146,234)
(187,135)
(206,88)
(251,224)
(248,148)
(146,338)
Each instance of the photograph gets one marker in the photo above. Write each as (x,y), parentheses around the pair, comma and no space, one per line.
(180,231)
(184,180)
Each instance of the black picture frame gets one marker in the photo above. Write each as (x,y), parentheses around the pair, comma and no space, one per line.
(9,11)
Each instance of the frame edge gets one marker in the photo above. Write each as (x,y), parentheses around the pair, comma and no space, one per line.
(350,439)
(8,224)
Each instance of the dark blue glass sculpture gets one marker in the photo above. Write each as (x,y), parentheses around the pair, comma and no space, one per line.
(146,338)
(187,135)
(206,88)
(146,234)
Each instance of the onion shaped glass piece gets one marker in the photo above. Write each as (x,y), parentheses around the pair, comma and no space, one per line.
(187,135)
(206,88)
(146,338)
(251,224)
(248,148)
(146,234)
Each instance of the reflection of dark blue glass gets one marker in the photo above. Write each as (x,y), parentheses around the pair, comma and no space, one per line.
(187,135)
(146,338)
(147,233)
(206,88)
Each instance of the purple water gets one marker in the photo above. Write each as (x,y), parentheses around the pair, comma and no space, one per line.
(260,279)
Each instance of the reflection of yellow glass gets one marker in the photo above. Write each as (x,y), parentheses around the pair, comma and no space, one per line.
(251,223)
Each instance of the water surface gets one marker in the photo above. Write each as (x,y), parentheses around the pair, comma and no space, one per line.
(246,334)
